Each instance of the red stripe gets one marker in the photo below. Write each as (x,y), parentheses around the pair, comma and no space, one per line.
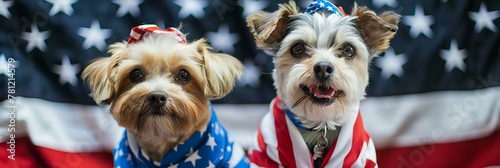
(29,155)
(285,146)
(137,30)
(56,158)
(25,154)
(170,29)
(131,40)
(359,137)
(370,164)
(260,140)
(151,29)
(260,158)
(481,152)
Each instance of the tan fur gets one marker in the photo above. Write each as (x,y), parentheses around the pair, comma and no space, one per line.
(377,31)
(268,28)
(219,69)
(160,59)
(101,86)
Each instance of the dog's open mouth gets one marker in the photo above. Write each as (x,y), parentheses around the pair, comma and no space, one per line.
(321,95)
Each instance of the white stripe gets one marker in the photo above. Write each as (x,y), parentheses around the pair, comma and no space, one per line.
(134,148)
(300,150)
(367,153)
(361,160)
(371,153)
(165,32)
(135,35)
(147,26)
(237,155)
(268,132)
(253,165)
(344,141)
(63,126)
(429,118)
(254,145)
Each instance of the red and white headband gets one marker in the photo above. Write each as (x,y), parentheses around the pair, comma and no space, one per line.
(138,32)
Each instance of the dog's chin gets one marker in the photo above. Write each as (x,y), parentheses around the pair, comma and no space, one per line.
(163,123)
(154,125)
(322,95)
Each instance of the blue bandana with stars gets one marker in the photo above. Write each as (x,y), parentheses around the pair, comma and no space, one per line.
(324,5)
(208,147)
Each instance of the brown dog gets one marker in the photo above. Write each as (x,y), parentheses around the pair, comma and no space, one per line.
(159,89)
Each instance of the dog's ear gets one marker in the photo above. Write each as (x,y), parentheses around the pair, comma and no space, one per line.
(269,28)
(220,70)
(376,31)
(99,76)
(96,75)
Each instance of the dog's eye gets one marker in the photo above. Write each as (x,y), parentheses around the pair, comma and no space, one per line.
(298,50)
(348,51)
(136,76)
(183,76)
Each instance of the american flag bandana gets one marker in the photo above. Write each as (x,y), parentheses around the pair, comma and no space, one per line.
(326,6)
(208,147)
(278,143)
(138,32)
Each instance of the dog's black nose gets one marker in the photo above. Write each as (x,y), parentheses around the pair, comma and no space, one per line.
(323,70)
(157,98)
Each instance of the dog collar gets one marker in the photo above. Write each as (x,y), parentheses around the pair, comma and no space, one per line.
(138,32)
(293,117)
(294,120)
(289,114)
(326,6)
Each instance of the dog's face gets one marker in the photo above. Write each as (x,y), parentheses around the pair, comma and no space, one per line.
(159,87)
(321,62)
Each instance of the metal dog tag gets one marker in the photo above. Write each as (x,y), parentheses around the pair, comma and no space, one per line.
(319,148)
(318,155)
(318,152)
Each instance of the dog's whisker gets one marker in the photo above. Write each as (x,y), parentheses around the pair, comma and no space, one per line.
(302,76)
(298,101)
(164,110)
(142,113)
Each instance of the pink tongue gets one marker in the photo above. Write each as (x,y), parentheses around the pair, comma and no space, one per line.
(321,93)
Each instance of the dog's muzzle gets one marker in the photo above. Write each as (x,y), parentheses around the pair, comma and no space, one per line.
(323,70)
(157,99)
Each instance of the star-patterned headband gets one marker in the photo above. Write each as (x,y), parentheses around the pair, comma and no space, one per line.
(326,6)
(138,32)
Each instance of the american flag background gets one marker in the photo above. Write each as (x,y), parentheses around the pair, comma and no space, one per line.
(433,98)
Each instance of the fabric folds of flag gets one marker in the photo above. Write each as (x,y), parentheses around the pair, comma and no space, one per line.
(57,124)
(433,98)
(278,143)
